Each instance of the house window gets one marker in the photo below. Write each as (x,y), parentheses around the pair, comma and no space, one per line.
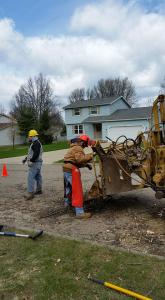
(76,111)
(93,110)
(78,129)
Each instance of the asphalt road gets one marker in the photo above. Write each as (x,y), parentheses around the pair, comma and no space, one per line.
(48,157)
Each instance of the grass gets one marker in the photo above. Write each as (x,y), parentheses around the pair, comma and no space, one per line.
(56,268)
(20,150)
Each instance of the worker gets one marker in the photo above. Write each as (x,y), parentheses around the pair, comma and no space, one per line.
(34,162)
(74,159)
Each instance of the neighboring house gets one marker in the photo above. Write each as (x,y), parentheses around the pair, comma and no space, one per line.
(107,117)
(9,132)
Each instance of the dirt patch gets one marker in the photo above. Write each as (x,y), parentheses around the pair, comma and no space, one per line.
(133,220)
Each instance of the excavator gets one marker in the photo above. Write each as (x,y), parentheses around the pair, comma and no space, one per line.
(127,163)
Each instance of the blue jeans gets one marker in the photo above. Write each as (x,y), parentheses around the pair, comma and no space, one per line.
(67,188)
(34,176)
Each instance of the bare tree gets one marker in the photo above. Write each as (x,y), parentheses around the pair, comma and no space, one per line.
(90,94)
(13,130)
(148,102)
(37,94)
(77,95)
(2,109)
(106,88)
(34,106)
(115,87)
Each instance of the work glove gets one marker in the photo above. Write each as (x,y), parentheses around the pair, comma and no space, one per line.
(24,160)
(89,167)
(30,163)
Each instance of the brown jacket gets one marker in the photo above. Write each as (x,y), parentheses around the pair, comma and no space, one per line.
(76,155)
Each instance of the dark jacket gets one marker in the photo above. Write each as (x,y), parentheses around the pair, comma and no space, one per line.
(35,152)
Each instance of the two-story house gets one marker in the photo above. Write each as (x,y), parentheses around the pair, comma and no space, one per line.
(107,117)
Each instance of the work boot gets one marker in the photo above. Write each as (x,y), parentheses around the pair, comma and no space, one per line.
(38,192)
(84,215)
(29,196)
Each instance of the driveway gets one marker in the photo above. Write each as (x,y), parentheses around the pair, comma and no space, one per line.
(48,157)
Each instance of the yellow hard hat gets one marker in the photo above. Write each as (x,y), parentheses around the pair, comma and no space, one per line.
(32,133)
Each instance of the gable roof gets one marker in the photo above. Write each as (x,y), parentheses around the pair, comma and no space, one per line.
(95,102)
(11,119)
(3,115)
(4,125)
(136,113)
(8,122)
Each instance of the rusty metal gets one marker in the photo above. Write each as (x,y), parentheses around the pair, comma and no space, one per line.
(132,164)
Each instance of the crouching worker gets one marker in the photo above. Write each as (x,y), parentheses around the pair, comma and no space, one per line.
(34,162)
(75,159)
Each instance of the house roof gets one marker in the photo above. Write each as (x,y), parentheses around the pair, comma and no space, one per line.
(4,125)
(3,115)
(123,114)
(11,119)
(10,122)
(94,102)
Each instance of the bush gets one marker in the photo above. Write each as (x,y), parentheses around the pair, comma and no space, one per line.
(46,139)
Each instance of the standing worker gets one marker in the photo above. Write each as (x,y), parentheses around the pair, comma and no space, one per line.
(75,159)
(34,162)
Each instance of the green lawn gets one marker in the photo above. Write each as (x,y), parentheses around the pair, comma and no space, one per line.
(8,151)
(54,268)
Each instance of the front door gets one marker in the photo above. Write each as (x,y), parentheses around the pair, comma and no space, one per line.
(97,131)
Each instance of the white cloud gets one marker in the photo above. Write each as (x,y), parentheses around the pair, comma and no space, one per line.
(136,35)
(107,39)
(65,84)
(106,18)
(9,84)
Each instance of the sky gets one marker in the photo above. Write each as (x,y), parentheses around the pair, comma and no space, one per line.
(74,43)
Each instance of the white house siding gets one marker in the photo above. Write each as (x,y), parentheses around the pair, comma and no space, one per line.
(6,133)
(4,119)
(88,129)
(104,110)
(129,128)
(70,118)
(6,137)
(69,131)
(118,104)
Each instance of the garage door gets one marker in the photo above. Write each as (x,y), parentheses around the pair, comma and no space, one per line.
(128,131)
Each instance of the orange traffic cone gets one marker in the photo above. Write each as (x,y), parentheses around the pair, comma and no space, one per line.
(4,171)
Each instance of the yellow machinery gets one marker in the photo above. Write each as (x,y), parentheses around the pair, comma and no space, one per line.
(128,164)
